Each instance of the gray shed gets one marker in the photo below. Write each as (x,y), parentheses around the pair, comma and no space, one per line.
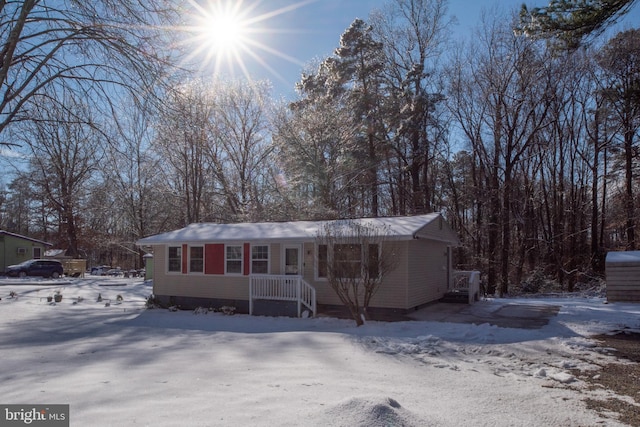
(623,276)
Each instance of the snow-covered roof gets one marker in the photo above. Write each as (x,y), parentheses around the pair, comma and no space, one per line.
(623,257)
(51,253)
(400,228)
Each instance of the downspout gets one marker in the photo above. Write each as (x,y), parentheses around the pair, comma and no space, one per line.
(449,267)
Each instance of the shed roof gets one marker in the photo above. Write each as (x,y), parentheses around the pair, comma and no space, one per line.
(400,228)
(623,257)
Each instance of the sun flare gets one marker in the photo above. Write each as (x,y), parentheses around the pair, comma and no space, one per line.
(225,31)
(235,36)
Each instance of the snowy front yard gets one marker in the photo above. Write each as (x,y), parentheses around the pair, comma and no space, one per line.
(116,363)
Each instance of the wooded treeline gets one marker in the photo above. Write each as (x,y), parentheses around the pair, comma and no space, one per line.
(530,152)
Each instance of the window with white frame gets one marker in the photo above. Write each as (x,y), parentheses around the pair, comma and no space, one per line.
(175,259)
(233,259)
(260,259)
(196,259)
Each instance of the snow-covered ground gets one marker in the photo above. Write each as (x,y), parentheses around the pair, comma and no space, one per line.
(118,364)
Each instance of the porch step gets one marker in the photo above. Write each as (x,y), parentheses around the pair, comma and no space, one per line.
(456,297)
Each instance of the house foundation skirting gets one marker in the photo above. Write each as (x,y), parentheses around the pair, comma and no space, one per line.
(190,303)
(260,307)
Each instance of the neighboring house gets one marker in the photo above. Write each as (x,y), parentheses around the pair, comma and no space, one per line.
(244,265)
(15,248)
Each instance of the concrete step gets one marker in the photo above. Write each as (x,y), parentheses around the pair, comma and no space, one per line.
(456,297)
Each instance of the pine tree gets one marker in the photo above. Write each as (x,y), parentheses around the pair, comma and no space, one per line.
(570,22)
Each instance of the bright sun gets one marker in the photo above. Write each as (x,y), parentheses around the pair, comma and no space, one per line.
(225,31)
(232,34)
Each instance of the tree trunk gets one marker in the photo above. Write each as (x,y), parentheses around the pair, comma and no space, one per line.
(506,234)
(629,202)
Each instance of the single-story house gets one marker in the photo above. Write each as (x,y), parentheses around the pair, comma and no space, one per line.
(622,271)
(16,248)
(252,266)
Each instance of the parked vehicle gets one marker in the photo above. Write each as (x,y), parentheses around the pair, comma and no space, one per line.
(36,267)
(100,270)
(135,273)
(114,272)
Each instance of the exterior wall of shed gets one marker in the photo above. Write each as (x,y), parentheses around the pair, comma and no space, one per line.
(623,281)
(9,250)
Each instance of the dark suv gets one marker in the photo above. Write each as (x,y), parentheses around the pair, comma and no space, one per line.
(36,267)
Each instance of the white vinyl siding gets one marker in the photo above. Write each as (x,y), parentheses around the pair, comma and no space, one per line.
(198,285)
(428,275)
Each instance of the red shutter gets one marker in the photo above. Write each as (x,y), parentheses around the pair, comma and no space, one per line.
(214,258)
(185,260)
(247,258)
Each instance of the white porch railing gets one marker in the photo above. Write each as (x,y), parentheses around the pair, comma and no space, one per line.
(467,281)
(282,288)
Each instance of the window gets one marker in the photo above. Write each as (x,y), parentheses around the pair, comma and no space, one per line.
(234,259)
(347,260)
(374,261)
(37,252)
(260,259)
(323,260)
(196,259)
(175,259)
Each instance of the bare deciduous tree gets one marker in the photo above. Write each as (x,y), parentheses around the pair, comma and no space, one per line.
(214,140)
(86,46)
(184,137)
(355,256)
(65,148)
(501,99)
(312,142)
(620,60)
(241,159)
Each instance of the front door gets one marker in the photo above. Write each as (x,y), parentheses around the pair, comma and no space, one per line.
(292,260)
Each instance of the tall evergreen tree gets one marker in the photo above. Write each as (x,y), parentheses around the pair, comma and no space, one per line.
(571,21)
(358,67)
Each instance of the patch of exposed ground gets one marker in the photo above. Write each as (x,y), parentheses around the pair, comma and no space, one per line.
(621,377)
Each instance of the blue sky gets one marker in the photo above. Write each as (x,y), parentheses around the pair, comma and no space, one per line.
(313,29)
